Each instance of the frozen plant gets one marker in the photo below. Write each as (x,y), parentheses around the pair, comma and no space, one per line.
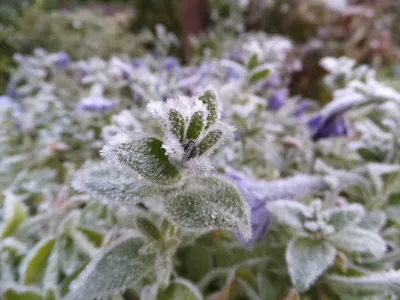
(142,166)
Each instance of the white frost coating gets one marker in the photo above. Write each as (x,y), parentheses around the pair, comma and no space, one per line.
(185,105)
(307,259)
(20,289)
(359,240)
(109,185)
(382,282)
(13,245)
(295,187)
(210,203)
(290,213)
(112,270)
(344,217)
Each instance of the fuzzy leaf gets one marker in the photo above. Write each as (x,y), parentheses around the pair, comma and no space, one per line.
(253,62)
(209,140)
(108,184)
(258,75)
(343,217)
(210,100)
(289,213)
(290,188)
(180,289)
(359,240)
(382,283)
(17,292)
(307,259)
(374,221)
(196,126)
(148,228)
(209,202)
(15,212)
(34,264)
(177,123)
(112,270)
(145,156)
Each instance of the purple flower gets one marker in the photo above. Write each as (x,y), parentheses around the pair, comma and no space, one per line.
(137,63)
(302,107)
(236,54)
(277,99)
(96,102)
(259,215)
(273,81)
(232,74)
(60,60)
(332,126)
(11,89)
(170,63)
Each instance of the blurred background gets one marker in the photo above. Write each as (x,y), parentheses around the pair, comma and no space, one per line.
(364,30)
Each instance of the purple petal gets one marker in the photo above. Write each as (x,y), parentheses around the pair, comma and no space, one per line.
(277,99)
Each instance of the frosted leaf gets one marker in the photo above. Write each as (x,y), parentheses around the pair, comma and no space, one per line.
(13,245)
(184,105)
(144,155)
(386,282)
(373,221)
(253,62)
(177,123)
(195,127)
(112,270)
(343,217)
(359,240)
(259,73)
(20,292)
(108,184)
(180,289)
(210,100)
(148,228)
(290,213)
(207,203)
(15,212)
(295,187)
(307,259)
(34,264)
(209,141)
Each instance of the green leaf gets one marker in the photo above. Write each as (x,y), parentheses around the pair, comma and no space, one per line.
(209,140)
(307,259)
(95,237)
(15,212)
(343,217)
(256,76)
(109,184)
(148,228)
(177,123)
(197,262)
(210,100)
(359,240)
(380,283)
(34,264)
(253,62)
(65,284)
(18,292)
(196,126)
(209,202)
(180,289)
(393,208)
(113,270)
(145,156)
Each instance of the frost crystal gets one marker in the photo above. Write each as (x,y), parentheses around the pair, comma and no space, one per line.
(192,129)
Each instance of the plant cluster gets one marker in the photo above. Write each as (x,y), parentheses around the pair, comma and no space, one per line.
(142,178)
